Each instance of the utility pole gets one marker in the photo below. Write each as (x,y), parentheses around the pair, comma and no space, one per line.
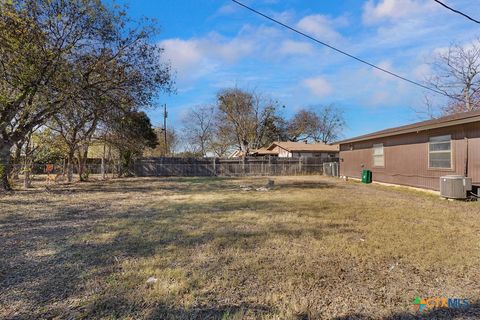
(165,115)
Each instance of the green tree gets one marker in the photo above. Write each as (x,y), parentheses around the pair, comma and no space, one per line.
(131,134)
(54,52)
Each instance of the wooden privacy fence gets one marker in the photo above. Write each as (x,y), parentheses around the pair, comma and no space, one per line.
(191,167)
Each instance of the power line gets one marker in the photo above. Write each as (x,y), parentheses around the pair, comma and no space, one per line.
(339,50)
(456,11)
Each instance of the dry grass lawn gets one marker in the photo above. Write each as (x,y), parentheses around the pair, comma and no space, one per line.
(311,248)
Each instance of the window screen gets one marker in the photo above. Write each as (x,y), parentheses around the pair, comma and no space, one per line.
(378,156)
(440,152)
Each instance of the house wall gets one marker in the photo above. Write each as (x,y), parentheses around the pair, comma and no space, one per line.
(406,157)
(322,155)
(282,153)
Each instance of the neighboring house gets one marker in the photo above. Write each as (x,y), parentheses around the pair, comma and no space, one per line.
(290,149)
(417,154)
(236,154)
(262,152)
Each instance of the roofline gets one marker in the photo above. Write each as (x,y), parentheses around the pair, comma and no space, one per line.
(303,150)
(309,150)
(420,128)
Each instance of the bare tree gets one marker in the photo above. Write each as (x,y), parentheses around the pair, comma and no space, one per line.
(222,141)
(456,73)
(324,125)
(331,123)
(199,128)
(76,126)
(246,114)
(303,126)
(162,150)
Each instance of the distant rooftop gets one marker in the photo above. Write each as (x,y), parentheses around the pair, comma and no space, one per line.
(263,151)
(304,147)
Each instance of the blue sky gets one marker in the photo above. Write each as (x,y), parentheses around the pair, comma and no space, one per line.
(214,44)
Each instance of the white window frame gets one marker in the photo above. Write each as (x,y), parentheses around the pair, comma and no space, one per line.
(430,143)
(382,155)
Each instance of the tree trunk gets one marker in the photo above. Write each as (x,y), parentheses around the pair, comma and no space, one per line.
(27,181)
(15,169)
(82,159)
(27,166)
(103,162)
(70,157)
(4,166)
(79,165)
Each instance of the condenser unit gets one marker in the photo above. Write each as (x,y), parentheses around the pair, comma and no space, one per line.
(455,187)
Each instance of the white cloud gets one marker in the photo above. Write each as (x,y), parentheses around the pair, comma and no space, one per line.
(227,9)
(182,53)
(320,26)
(422,71)
(290,47)
(319,86)
(227,50)
(386,65)
(286,16)
(376,11)
(196,57)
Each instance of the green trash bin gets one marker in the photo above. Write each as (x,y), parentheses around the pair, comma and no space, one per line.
(366,176)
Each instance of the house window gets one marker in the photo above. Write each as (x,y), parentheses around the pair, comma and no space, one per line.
(378,156)
(440,152)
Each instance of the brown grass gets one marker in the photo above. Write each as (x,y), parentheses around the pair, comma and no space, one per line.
(311,248)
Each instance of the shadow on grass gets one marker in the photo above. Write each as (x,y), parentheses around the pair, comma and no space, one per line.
(153,184)
(308,185)
(472,312)
(214,313)
(48,259)
(195,184)
(118,307)
(183,185)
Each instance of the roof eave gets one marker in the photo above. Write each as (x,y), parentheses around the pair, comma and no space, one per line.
(411,130)
(314,150)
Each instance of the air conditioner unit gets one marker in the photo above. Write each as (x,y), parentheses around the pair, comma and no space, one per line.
(455,187)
